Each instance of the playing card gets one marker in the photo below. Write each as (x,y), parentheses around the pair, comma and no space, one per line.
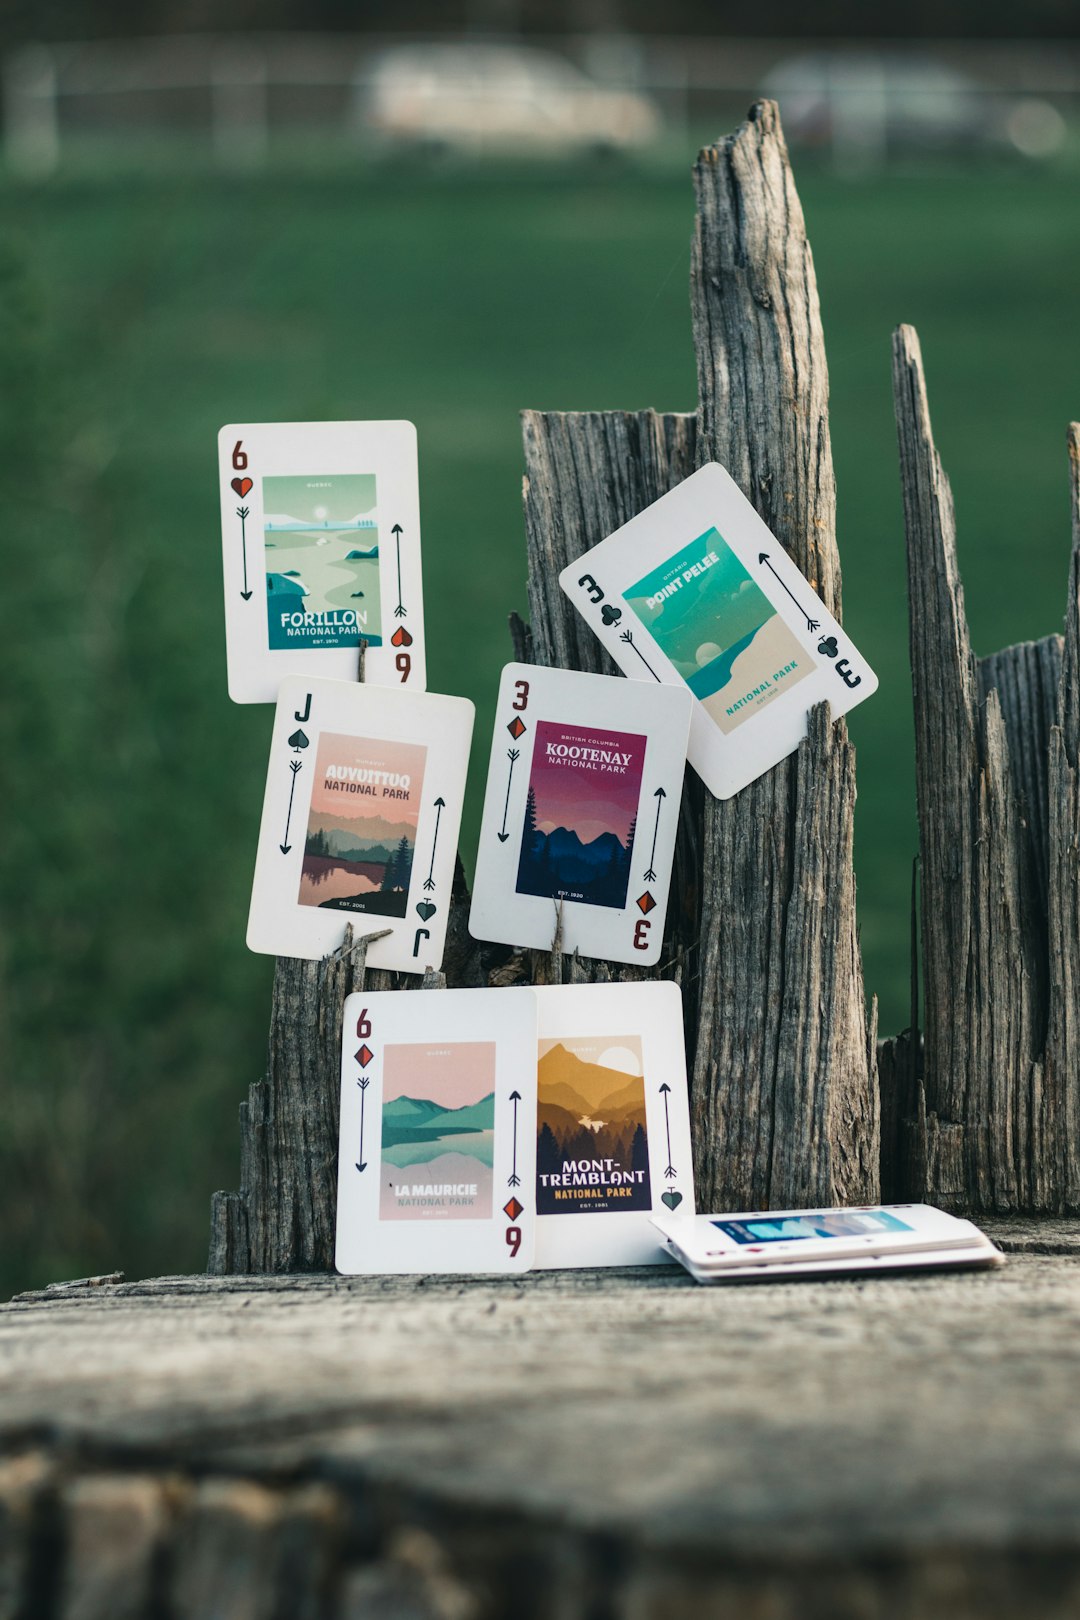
(612,1122)
(320,534)
(696,592)
(580,813)
(360,822)
(436,1162)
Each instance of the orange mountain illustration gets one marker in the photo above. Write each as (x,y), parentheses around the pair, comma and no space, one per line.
(568,1083)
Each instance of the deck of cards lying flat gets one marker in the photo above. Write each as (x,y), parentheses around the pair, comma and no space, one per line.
(697,593)
(320,533)
(580,813)
(360,822)
(437,1159)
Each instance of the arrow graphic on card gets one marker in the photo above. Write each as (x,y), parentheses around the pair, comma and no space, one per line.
(400,612)
(660,796)
(665,1090)
(294,766)
(362,1162)
(514,1180)
(513,755)
(628,637)
(440,806)
(811,624)
(242,513)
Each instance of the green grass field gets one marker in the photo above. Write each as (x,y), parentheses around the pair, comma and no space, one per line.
(138,315)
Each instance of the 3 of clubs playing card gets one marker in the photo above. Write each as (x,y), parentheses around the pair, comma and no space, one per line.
(697,592)
(320,533)
(612,1122)
(437,1156)
(360,822)
(580,813)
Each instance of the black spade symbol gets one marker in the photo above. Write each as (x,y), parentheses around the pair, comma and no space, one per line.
(827,645)
(298,741)
(609,614)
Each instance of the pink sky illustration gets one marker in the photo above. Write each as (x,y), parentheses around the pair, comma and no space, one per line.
(335,748)
(453,1074)
(581,797)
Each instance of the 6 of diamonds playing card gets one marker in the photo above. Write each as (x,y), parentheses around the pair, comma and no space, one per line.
(612,1122)
(320,533)
(580,813)
(437,1153)
(360,822)
(697,592)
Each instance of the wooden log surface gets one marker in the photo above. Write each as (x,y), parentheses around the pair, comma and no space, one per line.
(585,1445)
(994,1122)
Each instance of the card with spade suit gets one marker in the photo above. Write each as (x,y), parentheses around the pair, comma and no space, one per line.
(437,1151)
(320,534)
(697,592)
(612,1122)
(360,822)
(580,813)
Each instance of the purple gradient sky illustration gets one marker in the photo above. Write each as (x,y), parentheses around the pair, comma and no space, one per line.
(581,797)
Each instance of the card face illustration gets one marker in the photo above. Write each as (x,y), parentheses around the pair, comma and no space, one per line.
(580,813)
(696,591)
(436,1162)
(320,525)
(612,1122)
(360,822)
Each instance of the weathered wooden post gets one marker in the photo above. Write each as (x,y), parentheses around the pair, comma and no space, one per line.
(761,927)
(985,1112)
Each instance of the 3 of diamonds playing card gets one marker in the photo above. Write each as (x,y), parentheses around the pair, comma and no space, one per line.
(697,592)
(437,1153)
(320,533)
(580,813)
(612,1122)
(360,822)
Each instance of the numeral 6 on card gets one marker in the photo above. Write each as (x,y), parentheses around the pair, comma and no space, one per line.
(239,457)
(363,1024)
(513,1240)
(403,662)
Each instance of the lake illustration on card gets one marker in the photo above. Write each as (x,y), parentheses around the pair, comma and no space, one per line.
(438,1131)
(592,1144)
(581,814)
(321,545)
(361,831)
(719,629)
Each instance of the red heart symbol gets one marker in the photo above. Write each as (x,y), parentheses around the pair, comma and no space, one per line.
(242,485)
(401,637)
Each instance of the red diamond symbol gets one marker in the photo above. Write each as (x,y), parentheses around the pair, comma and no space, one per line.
(364,1056)
(513,1209)
(646,903)
(516,726)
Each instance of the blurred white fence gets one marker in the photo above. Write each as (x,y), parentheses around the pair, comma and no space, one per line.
(239,93)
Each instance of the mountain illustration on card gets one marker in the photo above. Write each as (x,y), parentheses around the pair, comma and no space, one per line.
(577,837)
(321,544)
(592,1133)
(438,1131)
(361,829)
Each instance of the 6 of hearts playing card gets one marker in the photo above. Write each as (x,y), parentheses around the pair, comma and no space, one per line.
(612,1122)
(360,822)
(437,1153)
(697,592)
(320,534)
(580,813)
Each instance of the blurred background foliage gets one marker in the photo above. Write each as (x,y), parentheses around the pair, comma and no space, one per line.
(142,304)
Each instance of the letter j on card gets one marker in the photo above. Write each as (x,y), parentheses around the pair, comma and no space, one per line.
(320,535)
(437,1152)
(697,592)
(580,813)
(360,822)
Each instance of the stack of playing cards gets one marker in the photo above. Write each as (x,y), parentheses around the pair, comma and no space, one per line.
(779,1245)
